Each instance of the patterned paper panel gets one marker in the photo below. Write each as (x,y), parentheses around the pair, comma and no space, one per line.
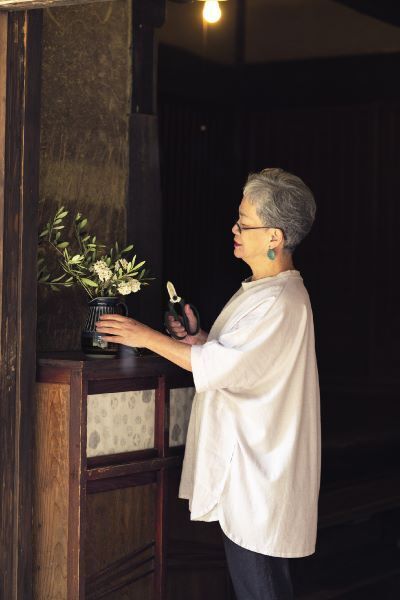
(180,406)
(124,421)
(120,422)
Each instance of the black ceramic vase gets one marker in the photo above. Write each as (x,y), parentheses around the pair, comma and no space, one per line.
(92,342)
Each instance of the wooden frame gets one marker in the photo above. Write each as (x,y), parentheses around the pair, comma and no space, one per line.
(20,43)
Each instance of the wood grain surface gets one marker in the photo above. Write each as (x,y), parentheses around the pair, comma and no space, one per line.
(120,543)
(32,4)
(51,492)
(20,45)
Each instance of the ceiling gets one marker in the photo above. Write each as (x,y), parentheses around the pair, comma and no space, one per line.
(280,30)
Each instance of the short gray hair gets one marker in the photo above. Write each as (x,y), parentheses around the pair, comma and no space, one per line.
(283,201)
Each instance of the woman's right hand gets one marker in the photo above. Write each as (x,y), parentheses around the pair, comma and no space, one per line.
(177,327)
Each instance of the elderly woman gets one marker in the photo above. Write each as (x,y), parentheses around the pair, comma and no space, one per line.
(252,459)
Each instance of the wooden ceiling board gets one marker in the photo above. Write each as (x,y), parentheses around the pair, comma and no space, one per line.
(32,4)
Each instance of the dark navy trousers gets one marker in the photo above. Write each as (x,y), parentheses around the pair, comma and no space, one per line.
(257,576)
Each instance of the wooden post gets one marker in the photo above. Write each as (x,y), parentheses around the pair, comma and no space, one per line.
(20,52)
(144,207)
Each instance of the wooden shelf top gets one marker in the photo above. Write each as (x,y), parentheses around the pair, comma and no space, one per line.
(126,367)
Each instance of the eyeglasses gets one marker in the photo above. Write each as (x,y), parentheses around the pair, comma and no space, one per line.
(241,228)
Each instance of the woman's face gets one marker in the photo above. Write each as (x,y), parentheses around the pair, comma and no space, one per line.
(252,244)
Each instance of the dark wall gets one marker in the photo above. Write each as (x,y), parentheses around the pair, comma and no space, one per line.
(84,158)
(335,124)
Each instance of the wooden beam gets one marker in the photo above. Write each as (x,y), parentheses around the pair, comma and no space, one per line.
(34,4)
(20,46)
(144,204)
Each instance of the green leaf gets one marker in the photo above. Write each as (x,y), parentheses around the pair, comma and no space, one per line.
(63,214)
(127,249)
(78,216)
(58,278)
(59,227)
(139,264)
(75,258)
(89,282)
(62,245)
(45,232)
(82,224)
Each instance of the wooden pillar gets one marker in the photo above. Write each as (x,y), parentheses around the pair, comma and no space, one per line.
(20,52)
(144,206)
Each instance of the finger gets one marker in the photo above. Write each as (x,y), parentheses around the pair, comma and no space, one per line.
(116,339)
(114,317)
(177,326)
(109,328)
(177,333)
(112,323)
(122,325)
(173,319)
(177,323)
(191,317)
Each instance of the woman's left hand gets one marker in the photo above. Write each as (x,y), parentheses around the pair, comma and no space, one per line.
(123,330)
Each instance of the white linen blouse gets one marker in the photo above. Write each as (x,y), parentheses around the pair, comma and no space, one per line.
(252,457)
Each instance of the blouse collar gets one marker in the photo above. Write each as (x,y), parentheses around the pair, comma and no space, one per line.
(247,283)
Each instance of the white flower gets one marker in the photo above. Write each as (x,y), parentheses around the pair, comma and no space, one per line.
(135,285)
(123,263)
(124,288)
(102,271)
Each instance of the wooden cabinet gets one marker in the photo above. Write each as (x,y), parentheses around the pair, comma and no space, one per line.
(100,500)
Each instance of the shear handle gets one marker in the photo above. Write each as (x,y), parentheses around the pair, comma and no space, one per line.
(183,318)
(173,313)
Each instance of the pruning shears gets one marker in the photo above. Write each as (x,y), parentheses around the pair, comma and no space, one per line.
(176,308)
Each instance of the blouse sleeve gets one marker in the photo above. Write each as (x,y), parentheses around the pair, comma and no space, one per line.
(240,356)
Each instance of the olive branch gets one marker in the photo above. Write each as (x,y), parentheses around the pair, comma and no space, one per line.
(98,272)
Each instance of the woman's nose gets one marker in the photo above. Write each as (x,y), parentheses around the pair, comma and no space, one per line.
(235,228)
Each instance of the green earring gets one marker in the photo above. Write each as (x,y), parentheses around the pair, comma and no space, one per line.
(271,254)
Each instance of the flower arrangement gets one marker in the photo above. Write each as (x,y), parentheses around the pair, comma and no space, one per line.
(98,272)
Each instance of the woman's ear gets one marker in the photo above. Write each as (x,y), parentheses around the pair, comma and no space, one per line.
(277,236)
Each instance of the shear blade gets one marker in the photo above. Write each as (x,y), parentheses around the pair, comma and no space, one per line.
(172,292)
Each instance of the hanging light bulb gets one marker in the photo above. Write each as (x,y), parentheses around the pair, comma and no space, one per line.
(211,11)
